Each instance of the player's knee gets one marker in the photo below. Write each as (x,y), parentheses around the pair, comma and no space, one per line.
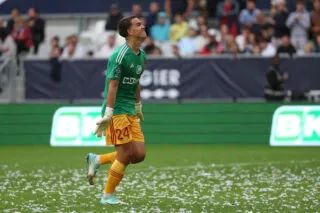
(138,157)
(124,157)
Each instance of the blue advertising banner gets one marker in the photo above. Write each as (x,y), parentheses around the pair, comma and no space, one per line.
(172,78)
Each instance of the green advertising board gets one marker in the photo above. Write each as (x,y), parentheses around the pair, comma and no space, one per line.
(74,126)
(296,126)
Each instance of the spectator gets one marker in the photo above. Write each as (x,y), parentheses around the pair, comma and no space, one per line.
(152,17)
(55,53)
(55,45)
(299,23)
(1,23)
(73,49)
(161,30)
(179,29)
(213,47)
(8,47)
(136,10)
(307,49)
(230,45)
(107,49)
(249,16)
(243,38)
(114,18)
(198,22)
(274,90)
(315,19)
(201,20)
(156,51)
(22,35)
(280,18)
(261,23)
(266,49)
(202,7)
(286,47)
(256,50)
(224,30)
(15,13)
(316,48)
(273,9)
(251,44)
(267,32)
(187,45)
(148,46)
(37,26)
(175,51)
(227,12)
(182,7)
(70,51)
(202,39)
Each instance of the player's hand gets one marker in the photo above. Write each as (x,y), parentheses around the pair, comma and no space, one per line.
(139,111)
(103,122)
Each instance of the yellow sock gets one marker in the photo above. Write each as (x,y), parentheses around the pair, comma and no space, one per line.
(116,173)
(108,158)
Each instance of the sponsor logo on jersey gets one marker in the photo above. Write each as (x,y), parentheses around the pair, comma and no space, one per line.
(127,80)
(139,69)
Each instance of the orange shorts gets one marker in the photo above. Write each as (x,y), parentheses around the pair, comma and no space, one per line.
(123,129)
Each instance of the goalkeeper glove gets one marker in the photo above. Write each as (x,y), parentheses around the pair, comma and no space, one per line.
(103,122)
(139,111)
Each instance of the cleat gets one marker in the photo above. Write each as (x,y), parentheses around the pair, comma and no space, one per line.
(92,167)
(111,200)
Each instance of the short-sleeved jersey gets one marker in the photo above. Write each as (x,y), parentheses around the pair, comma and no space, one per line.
(127,67)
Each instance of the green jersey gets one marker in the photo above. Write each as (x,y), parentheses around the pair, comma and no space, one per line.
(127,67)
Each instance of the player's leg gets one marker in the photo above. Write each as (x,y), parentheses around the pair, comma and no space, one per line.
(95,161)
(116,173)
(138,152)
(119,134)
(138,145)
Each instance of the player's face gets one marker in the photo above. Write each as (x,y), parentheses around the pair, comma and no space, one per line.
(137,29)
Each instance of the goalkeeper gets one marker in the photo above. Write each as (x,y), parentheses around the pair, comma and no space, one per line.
(121,109)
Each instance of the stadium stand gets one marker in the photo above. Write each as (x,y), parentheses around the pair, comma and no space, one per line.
(192,29)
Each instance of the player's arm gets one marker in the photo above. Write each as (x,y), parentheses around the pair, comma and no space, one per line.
(113,76)
(138,104)
(138,94)
(112,92)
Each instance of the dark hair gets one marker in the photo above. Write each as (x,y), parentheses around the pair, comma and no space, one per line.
(262,40)
(35,10)
(125,24)
(245,27)
(15,8)
(300,2)
(253,1)
(57,38)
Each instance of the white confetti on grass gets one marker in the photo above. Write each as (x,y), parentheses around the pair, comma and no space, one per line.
(237,187)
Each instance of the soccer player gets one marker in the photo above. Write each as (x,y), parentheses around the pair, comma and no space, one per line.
(121,109)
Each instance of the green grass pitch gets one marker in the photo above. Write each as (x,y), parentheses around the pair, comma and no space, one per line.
(173,178)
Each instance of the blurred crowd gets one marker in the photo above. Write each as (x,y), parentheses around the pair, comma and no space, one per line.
(19,35)
(247,31)
(239,27)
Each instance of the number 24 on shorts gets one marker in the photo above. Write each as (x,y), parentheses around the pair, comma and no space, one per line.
(122,133)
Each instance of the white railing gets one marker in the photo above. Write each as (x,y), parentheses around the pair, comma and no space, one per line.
(8,71)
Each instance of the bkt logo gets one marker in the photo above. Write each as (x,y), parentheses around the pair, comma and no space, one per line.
(73,126)
(296,126)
